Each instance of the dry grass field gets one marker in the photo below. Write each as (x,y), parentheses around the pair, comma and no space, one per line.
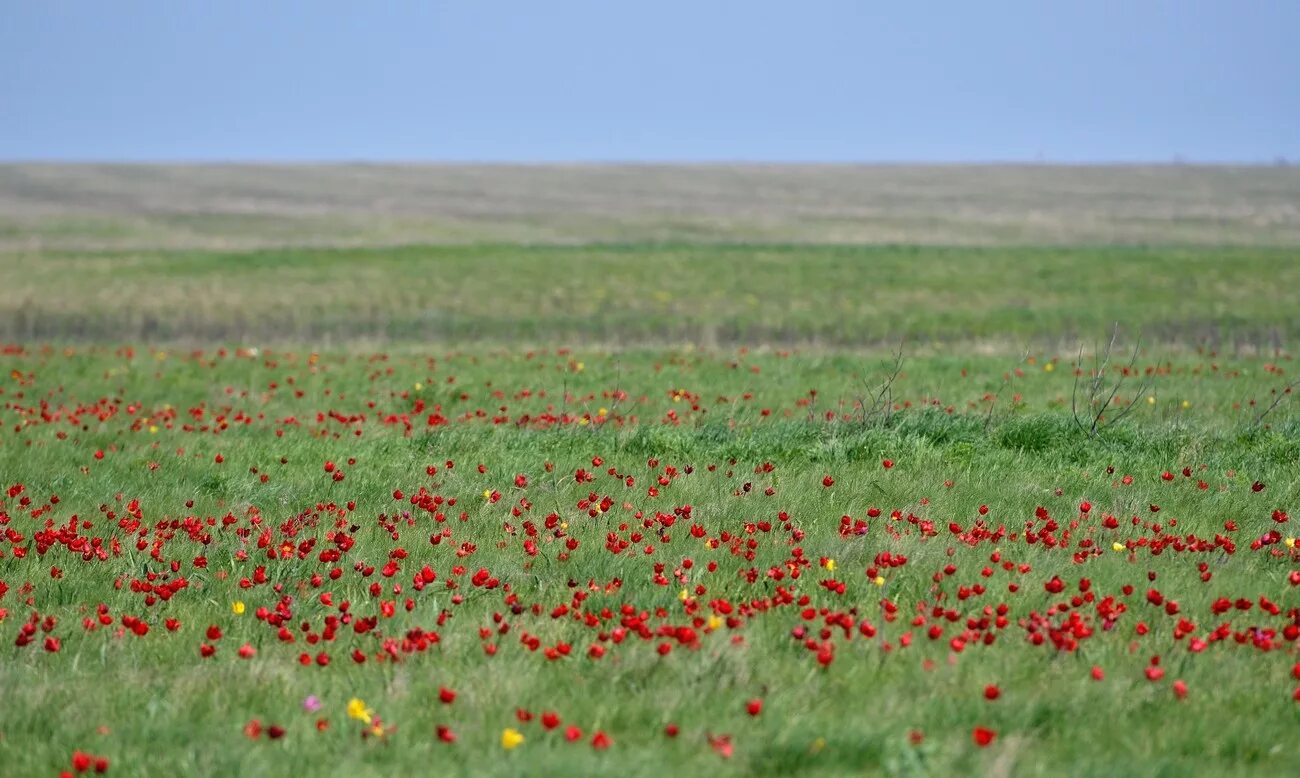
(244,206)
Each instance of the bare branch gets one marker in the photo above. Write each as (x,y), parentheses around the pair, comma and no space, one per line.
(1101,392)
(882,404)
(1277,400)
(1074,394)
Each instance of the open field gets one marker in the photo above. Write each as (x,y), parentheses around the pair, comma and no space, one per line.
(653,540)
(622,296)
(244,206)
(278,495)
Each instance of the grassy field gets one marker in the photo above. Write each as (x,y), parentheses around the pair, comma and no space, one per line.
(621,296)
(744,508)
(247,206)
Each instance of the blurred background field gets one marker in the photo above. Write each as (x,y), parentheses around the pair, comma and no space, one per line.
(840,257)
(62,206)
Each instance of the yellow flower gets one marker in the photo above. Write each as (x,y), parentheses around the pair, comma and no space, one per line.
(237,607)
(1049,367)
(1290,542)
(487,494)
(1187,404)
(830,565)
(153,428)
(511,738)
(714,621)
(418,386)
(879,580)
(1117,546)
(358,710)
(1151,399)
(683,595)
(602,412)
(820,743)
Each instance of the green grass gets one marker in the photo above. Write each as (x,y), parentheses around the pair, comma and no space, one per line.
(168,711)
(623,296)
(747,366)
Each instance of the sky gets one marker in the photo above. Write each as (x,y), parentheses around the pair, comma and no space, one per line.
(669,80)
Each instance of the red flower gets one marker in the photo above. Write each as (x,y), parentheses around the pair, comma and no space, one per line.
(446,696)
(600,741)
(754,707)
(992,692)
(828,482)
(445,734)
(721,744)
(671,730)
(81,761)
(1180,689)
(983,736)
(550,719)
(887,463)
(573,734)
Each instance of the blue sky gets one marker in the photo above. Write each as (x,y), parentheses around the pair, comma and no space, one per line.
(678,81)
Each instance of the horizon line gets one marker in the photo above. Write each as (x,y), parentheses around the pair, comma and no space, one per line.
(1280,161)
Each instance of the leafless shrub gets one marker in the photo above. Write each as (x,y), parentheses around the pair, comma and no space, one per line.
(1102,388)
(876,402)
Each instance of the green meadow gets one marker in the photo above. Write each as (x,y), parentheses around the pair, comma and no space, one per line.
(744,503)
